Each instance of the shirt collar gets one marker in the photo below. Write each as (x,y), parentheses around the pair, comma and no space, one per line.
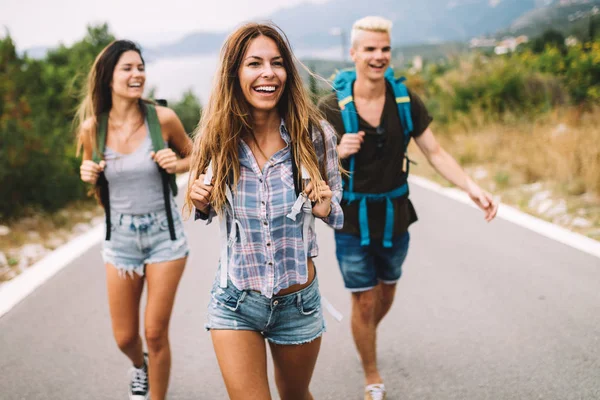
(245,152)
(285,135)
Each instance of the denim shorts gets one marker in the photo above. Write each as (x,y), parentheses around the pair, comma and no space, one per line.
(292,319)
(138,240)
(363,267)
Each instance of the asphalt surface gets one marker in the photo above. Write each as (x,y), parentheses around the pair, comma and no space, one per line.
(483,311)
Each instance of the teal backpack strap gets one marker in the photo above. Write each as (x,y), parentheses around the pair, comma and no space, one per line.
(403,104)
(97,156)
(343,84)
(168,180)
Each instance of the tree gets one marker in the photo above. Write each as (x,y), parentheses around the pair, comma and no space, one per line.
(38,167)
(188,109)
(551,38)
(313,86)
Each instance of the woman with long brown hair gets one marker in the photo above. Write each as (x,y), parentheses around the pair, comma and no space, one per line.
(266,163)
(126,142)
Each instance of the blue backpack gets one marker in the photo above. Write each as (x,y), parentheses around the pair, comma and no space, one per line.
(343,84)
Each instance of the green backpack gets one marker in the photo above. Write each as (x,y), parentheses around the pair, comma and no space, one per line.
(168,180)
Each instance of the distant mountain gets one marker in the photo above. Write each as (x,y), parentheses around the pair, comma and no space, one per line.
(415,21)
(309,25)
(565,16)
(195,43)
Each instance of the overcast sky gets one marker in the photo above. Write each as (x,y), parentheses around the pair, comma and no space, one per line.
(47,22)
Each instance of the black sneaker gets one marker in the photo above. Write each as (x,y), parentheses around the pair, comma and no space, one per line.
(139,387)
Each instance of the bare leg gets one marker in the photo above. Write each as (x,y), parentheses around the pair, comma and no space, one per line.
(163,279)
(242,357)
(386,299)
(294,366)
(124,293)
(364,331)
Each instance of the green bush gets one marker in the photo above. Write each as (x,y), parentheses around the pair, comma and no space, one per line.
(38,100)
(188,109)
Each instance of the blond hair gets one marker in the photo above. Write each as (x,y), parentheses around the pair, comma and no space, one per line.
(228,116)
(370,24)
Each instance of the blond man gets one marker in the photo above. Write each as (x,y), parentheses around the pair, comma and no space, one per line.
(376,116)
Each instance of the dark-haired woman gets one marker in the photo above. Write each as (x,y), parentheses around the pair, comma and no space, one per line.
(127,147)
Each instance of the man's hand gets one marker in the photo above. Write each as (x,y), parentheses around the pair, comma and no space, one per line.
(483,199)
(350,144)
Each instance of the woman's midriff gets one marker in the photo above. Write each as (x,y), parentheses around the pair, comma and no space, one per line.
(294,288)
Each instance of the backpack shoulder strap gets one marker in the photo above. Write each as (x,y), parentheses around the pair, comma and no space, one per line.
(97,156)
(154,126)
(101,129)
(157,139)
(343,84)
(403,104)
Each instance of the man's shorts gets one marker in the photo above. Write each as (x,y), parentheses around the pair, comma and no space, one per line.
(363,267)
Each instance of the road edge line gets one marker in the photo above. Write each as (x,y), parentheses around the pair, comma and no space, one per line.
(17,289)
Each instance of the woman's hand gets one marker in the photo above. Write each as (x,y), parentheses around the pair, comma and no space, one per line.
(322,206)
(200,194)
(166,159)
(89,171)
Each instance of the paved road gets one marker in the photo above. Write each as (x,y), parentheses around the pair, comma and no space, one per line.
(483,312)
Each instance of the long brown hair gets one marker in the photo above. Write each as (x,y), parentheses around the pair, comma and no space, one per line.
(228,115)
(97,96)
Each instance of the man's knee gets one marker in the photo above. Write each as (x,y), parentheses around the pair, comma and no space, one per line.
(388,292)
(364,304)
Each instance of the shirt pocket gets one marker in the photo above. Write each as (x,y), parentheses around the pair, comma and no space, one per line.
(285,174)
(284,197)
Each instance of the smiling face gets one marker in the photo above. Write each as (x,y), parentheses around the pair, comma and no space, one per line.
(262,74)
(371,53)
(129,76)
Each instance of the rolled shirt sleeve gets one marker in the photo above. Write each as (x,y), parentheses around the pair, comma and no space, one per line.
(204,217)
(334,178)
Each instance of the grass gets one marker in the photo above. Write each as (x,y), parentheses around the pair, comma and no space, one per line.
(560,151)
(48,229)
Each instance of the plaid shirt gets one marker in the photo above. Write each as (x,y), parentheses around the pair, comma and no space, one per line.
(272,257)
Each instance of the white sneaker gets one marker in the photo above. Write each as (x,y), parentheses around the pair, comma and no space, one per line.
(375,391)
(139,387)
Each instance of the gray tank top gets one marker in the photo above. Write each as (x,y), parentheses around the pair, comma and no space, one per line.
(134,182)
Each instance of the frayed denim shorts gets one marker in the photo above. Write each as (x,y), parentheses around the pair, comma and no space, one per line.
(138,240)
(292,319)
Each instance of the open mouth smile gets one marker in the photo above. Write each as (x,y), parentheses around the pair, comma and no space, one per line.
(265,89)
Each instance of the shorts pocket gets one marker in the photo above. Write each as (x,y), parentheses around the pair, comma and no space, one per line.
(309,303)
(163,223)
(229,300)
(114,224)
